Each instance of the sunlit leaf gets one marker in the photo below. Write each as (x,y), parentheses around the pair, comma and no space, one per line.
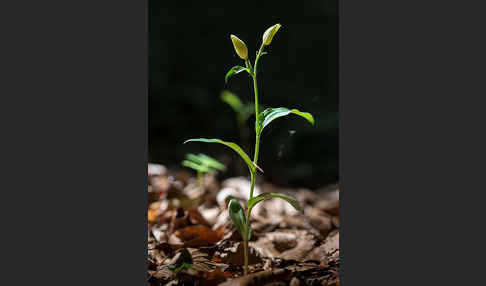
(233,146)
(270,114)
(234,70)
(197,167)
(194,158)
(211,162)
(203,163)
(237,216)
(267,196)
(177,269)
(232,100)
(243,110)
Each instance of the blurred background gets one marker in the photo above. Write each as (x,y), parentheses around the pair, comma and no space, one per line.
(190,52)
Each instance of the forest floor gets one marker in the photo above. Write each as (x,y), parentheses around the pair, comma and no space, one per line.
(191,240)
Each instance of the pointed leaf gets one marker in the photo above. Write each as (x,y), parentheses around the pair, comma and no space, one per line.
(232,100)
(194,158)
(267,196)
(197,167)
(233,146)
(234,70)
(205,161)
(211,162)
(270,114)
(243,110)
(237,216)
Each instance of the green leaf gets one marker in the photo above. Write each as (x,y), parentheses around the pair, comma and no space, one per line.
(211,162)
(202,162)
(197,167)
(270,114)
(243,111)
(176,270)
(267,196)
(237,216)
(232,100)
(233,146)
(234,70)
(193,158)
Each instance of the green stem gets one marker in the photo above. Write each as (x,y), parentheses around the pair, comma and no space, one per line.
(247,225)
(257,123)
(257,58)
(255,88)
(245,244)
(200,179)
(257,113)
(255,158)
(248,64)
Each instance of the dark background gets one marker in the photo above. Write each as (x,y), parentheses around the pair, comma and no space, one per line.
(190,52)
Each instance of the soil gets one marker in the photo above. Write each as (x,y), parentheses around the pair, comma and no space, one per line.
(191,240)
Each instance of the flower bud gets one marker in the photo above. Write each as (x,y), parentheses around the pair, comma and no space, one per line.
(269,33)
(240,47)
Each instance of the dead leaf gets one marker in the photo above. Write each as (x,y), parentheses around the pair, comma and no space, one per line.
(335,221)
(216,277)
(152,214)
(319,220)
(331,246)
(299,248)
(285,244)
(210,214)
(195,217)
(197,235)
(231,252)
(260,278)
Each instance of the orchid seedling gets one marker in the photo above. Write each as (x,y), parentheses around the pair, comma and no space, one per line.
(239,218)
(202,164)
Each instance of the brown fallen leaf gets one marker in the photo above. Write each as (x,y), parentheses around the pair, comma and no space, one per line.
(335,221)
(162,273)
(178,219)
(317,254)
(330,207)
(152,214)
(331,246)
(216,277)
(202,263)
(195,217)
(197,235)
(187,219)
(260,278)
(285,244)
(209,214)
(319,220)
(306,197)
(231,252)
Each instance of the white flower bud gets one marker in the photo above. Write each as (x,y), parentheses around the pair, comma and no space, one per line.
(240,47)
(269,33)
